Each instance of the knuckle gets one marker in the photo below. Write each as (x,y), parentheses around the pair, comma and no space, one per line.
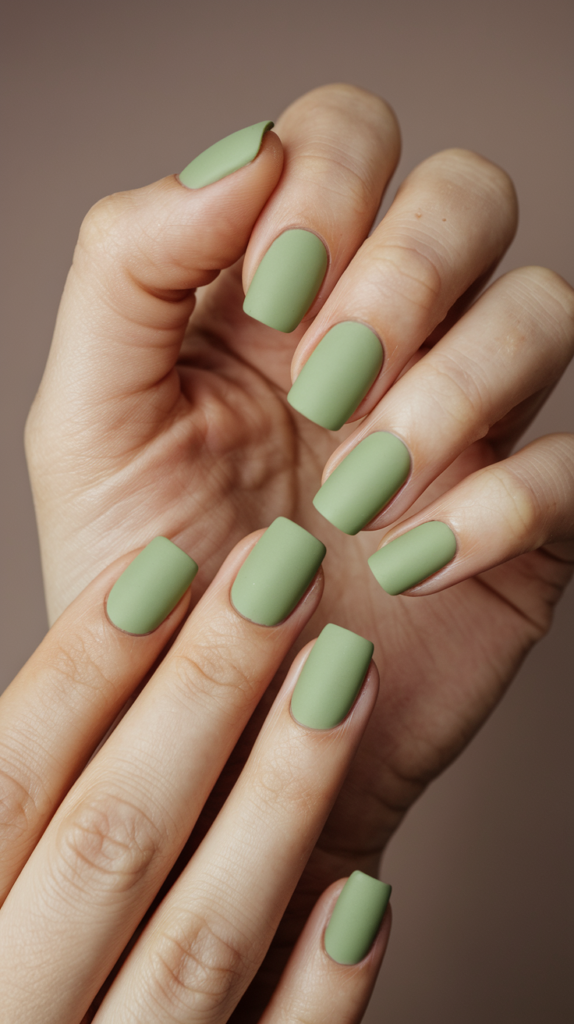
(407,272)
(197,970)
(467,171)
(220,670)
(334,167)
(548,297)
(19,809)
(73,669)
(516,499)
(459,391)
(282,788)
(106,845)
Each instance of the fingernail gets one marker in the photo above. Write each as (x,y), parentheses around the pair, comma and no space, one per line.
(364,482)
(337,375)
(151,586)
(276,573)
(356,919)
(413,557)
(331,678)
(287,280)
(225,157)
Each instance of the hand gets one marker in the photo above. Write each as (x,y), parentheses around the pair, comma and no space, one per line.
(134,434)
(85,850)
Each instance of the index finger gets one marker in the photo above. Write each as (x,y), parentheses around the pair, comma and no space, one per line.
(69,693)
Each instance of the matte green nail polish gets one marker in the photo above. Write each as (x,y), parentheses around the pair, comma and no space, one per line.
(151,586)
(414,556)
(287,280)
(225,157)
(276,573)
(364,482)
(331,678)
(356,918)
(337,375)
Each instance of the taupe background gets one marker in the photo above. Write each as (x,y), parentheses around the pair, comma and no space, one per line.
(111,95)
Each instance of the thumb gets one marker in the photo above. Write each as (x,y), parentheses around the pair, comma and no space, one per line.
(139,257)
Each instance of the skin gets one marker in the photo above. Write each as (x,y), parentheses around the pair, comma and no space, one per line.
(144,424)
(79,865)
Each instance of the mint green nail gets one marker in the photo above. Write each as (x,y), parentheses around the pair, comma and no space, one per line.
(225,156)
(356,919)
(287,280)
(412,557)
(364,482)
(276,573)
(151,586)
(331,678)
(337,375)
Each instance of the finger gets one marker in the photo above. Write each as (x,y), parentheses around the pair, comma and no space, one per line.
(512,345)
(130,290)
(65,698)
(341,147)
(450,223)
(315,986)
(519,505)
(209,936)
(115,837)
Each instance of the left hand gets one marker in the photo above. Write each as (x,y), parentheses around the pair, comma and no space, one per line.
(131,435)
(95,924)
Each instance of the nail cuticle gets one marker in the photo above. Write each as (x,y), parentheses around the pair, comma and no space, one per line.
(277,573)
(150,588)
(365,481)
(356,919)
(414,557)
(331,679)
(338,374)
(288,279)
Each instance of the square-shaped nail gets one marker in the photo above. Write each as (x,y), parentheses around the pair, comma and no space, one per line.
(276,573)
(413,557)
(151,586)
(331,678)
(226,156)
(364,482)
(287,280)
(337,375)
(356,918)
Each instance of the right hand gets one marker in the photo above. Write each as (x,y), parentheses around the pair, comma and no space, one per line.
(144,424)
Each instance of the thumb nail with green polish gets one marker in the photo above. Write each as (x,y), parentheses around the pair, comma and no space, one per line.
(364,482)
(276,573)
(413,557)
(226,156)
(356,919)
(331,678)
(337,375)
(287,280)
(151,586)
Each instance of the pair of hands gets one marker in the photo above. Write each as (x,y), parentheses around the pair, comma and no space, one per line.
(148,422)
